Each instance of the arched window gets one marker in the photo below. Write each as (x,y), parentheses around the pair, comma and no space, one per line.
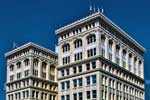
(130,61)
(140,68)
(78,43)
(18,65)
(66,47)
(44,64)
(103,40)
(110,49)
(35,67)
(91,38)
(35,62)
(26,62)
(117,54)
(135,65)
(103,45)
(11,67)
(124,58)
(52,72)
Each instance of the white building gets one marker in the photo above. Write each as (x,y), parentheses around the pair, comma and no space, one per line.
(97,60)
(31,73)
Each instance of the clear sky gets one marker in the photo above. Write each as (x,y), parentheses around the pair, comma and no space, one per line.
(22,21)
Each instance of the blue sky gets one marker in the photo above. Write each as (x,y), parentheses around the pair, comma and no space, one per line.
(22,21)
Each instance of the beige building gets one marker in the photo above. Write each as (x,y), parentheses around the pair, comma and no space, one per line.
(31,73)
(97,60)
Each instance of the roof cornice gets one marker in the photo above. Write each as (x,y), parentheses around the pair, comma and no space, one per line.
(107,20)
(30,44)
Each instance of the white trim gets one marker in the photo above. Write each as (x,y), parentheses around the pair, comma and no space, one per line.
(28,45)
(107,20)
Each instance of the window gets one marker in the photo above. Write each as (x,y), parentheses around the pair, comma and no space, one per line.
(68,84)
(66,60)
(117,54)
(91,39)
(124,58)
(80,68)
(75,82)
(88,66)
(62,97)
(66,47)
(110,50)
(88,80)
(74,70)
(18,65)
(62,85)
(26,73)
(78,56)
(11,78)
(74,96)
(44,65)
(94,79)
(91,52)
(11,67)
(94,93)
(78,43)
(62,73)
(67,97)
(80,81)
(26,62)
(80,96)
(88,94)
(103,45)
(18,75)
(94,65)
(67,71)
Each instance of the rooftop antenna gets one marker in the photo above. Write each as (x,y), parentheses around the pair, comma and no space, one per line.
(90,6)
(102,10)
(14,45)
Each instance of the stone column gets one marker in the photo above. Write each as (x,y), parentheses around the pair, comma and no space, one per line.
(127,60)
(47,71)
(31,66)
(142,68)
(39,68)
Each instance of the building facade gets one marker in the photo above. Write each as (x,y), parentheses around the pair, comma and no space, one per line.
(97,60)
(31,73)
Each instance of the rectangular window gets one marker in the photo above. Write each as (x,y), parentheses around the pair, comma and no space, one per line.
(88,66)
(67,71)
(11,77)
(75,83)
(80,81)
(94,93)
(62,85)
(74,96)
(103,52)
(67,97)
(94,79)
(74,70)
(26,73)
(80,96)
(18,75)
(80,68)
(88,80)
(62,73)
(94,65)
(88,94)
(62,97)
(68,84)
